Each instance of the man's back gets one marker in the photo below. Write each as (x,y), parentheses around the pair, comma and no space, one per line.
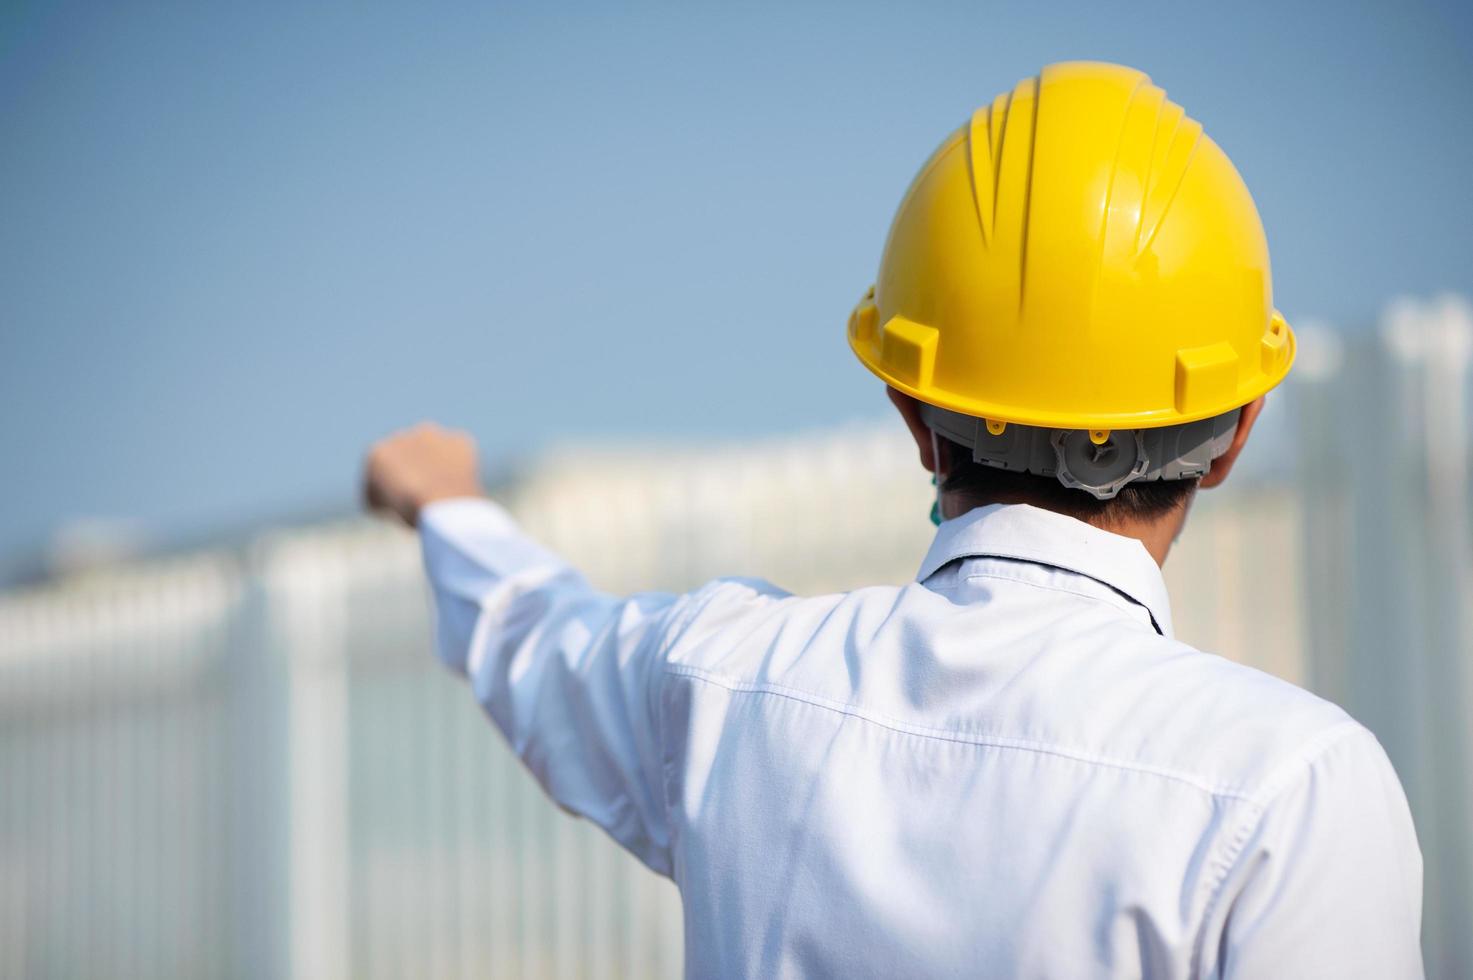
(1008,768)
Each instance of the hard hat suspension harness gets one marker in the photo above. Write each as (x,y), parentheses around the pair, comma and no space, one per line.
(1096,461)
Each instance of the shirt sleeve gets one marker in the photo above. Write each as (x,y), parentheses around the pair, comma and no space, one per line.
(1329,880)
(569,675)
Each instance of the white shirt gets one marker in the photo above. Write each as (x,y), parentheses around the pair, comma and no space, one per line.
(1009,768)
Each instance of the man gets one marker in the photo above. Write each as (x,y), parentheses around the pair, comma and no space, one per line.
(1010,767)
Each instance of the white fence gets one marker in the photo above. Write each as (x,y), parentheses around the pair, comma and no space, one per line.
(247,763)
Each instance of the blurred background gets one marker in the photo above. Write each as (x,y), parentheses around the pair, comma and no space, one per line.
(237,244)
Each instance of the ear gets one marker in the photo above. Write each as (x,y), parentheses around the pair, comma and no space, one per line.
(910,410)
(1223,465)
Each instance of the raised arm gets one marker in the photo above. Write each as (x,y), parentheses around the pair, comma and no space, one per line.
(571,676)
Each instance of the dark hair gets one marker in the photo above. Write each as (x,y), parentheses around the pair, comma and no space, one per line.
(980,484)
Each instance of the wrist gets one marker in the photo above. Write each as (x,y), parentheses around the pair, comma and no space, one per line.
(443,495)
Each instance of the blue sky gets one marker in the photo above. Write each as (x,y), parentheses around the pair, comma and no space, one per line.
(238,242)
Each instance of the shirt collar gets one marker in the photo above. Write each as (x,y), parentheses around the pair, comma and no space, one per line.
(1026,533)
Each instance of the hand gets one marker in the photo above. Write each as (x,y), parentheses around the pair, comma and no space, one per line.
(412,469)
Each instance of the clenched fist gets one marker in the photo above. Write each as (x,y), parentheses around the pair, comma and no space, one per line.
(409,470)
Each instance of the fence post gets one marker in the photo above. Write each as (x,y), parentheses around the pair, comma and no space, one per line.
(308,610)
(1435,342)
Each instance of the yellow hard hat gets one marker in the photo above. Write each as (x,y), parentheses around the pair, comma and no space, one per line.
(1078,256)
